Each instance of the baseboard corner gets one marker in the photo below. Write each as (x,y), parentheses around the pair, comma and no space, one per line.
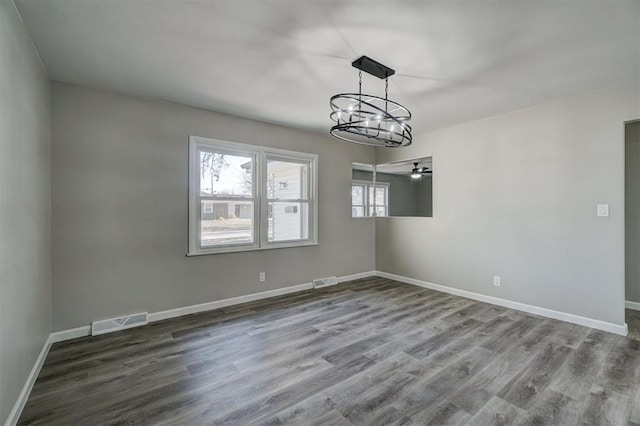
(16,411)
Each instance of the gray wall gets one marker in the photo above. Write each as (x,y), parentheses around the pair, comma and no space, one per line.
(25,262)
(119,194)
(425,201)
(403,196)
(515,195)
(632,211)
(362,175)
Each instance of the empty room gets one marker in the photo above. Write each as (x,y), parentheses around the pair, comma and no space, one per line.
(319,212)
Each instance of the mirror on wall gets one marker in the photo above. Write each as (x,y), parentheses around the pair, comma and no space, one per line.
(402,188)
(408,186)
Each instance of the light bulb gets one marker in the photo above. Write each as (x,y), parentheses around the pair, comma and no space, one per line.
(415,175)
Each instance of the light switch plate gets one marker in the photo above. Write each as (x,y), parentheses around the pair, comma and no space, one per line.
(603,210)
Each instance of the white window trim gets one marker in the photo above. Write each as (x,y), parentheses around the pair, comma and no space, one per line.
(260,225)
(364,184)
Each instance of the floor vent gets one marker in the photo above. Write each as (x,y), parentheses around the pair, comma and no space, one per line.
(120,323)
(325,282)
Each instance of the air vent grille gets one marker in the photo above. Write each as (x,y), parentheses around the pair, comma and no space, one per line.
(325,282)
(120,323)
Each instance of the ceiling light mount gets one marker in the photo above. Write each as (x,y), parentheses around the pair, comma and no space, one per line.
(418,172)
(367,119)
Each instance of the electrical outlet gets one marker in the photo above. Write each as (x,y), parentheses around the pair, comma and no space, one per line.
(263,277)
(602,210)
(496,280)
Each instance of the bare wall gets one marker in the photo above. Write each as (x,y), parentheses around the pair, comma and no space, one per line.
(25,259)
(632,211)
(120,195)
(515,195)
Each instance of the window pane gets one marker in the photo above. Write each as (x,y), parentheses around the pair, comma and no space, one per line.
(381,211)
(357,195)
(288,221)
(225,174)
(381,196)
(287,180)
(226,222)
(357,211)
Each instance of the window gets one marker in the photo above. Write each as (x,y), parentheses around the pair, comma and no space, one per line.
(367,199)
(358,191)
(245,197)
(380,202)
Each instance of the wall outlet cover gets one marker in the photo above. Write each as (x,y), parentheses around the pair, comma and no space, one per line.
(603,210)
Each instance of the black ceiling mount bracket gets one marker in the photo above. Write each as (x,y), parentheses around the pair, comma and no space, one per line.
(372,67)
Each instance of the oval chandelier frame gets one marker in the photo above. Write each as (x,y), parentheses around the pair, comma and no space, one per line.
(368,119)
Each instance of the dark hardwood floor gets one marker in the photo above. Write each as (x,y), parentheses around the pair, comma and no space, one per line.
(369,352)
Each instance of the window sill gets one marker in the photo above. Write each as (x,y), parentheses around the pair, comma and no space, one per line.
(244,249)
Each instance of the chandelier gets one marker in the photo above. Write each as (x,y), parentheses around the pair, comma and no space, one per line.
(369,119)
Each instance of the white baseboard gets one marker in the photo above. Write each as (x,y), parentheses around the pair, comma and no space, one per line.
(216,304)
(178,312)
(632,305)
(16,411)
(73,333)
(356,276)
(620,329)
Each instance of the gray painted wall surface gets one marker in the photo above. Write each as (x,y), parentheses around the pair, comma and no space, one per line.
(425,203)
(515,195)
(403,196)
(119,194)
(632,211)
(362,175)
(25,260)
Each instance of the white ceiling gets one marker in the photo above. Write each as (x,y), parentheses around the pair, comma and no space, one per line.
(280,61)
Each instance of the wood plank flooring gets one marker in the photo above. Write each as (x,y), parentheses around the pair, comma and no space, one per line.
(632,318)
(368,352)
